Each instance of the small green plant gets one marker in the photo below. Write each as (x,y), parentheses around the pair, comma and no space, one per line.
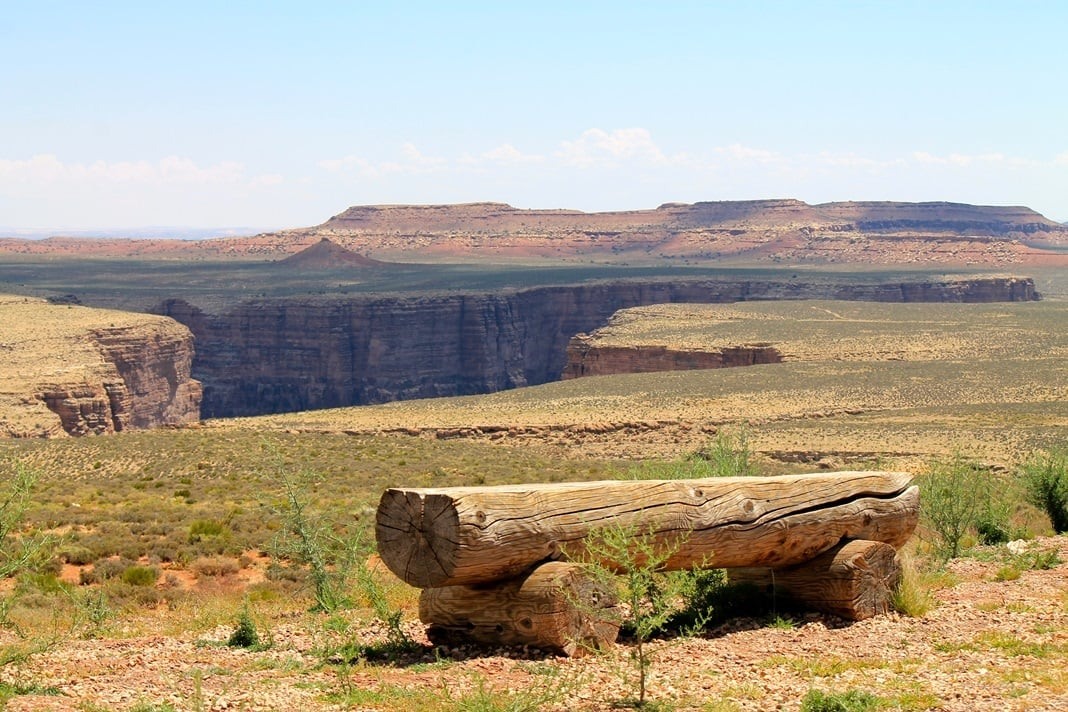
(630,561)
(912,596)
(94,610)
(9,690)
(1046,478)
(728,455)
(245,634)
(1007,573)
(851,701)
(954,494)
(18,552)
(307,539)
(370,587)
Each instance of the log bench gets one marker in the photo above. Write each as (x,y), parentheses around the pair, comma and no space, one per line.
(492,560)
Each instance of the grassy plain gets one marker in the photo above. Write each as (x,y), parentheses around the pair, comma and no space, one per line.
(880,382)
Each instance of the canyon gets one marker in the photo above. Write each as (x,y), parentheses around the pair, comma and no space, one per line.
(284,355)
(73,370)
(395,302)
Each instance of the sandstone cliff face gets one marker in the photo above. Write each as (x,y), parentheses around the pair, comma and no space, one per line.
(76,371)
(586,358)
(155,367)
(273,356)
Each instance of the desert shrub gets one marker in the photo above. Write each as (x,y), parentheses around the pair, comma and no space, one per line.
(851,701)
(140,576)
(309,539)
(1046,478)
(630,561)
(369,586)
(105,569)
(206,529)
(18,551)
(76,555)
(912,596)
(954,495)
(728,455)
(215,566)
(245,634)
(709,598)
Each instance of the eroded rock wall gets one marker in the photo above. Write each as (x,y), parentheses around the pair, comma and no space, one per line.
(75,370)
(273,356)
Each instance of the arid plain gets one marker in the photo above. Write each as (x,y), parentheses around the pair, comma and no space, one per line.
(163,537)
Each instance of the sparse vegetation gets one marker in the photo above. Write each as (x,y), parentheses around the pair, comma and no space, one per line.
(245,634)
(630,561)
(851,701)
(1046,477)
(913,596)
(123,520)
(954,495)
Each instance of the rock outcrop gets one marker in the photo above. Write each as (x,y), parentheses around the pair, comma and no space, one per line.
(74,370)
(280,355)
(586,358)
(327,254)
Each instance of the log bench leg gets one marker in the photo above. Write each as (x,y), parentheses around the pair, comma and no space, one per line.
(854,580)
(556,607)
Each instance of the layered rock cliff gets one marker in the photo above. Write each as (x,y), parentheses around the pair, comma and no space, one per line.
(68,369)
(272,356)
(585,357)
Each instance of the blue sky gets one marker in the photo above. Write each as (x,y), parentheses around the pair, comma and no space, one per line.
(120,114)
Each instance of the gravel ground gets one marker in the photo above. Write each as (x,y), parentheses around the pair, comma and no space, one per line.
(988,645)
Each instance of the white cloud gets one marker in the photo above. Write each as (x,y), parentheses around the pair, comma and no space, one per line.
(964,160)
(508,154)
(600,147)
(412,161)
(747,154)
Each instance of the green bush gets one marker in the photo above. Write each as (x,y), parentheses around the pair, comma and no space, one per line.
(851,701)
(954,495)
(1046,478)
(140,576)
(77,555)
(630,561)
(245,634)
(728,455)
(207,529)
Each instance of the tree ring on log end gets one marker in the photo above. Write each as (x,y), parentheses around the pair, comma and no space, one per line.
(416,535)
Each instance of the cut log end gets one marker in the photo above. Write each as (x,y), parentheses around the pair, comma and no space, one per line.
(417,536)
(556,607)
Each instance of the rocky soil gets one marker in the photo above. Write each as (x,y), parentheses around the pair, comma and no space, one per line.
(991,643)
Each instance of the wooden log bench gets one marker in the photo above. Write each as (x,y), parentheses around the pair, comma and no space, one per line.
(482,553)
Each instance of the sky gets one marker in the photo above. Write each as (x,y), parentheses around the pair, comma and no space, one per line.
(281,114)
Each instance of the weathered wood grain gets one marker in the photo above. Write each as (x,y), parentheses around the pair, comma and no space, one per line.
(469,535)
(854,580)
(556,607)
